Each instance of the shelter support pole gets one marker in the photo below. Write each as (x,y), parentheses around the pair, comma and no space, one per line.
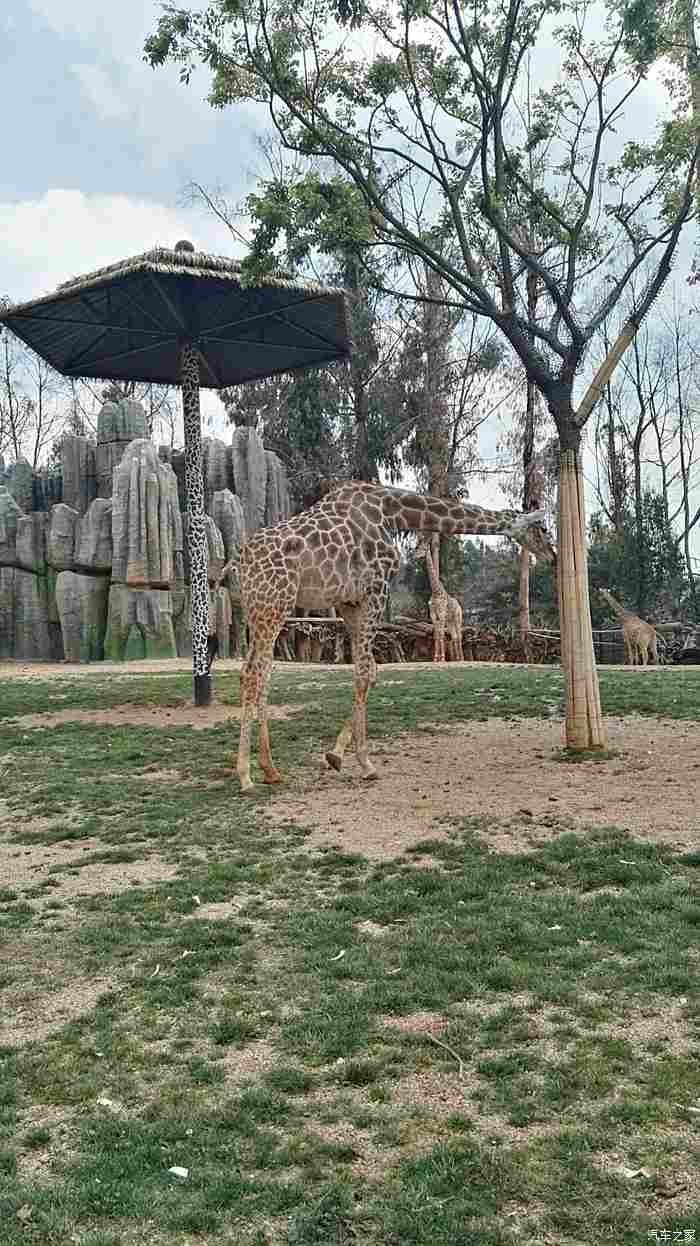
(196,533)
(584,721)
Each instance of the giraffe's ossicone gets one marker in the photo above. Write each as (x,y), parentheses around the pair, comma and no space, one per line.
(341,554)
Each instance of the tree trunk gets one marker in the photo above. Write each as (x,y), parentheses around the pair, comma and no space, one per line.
(530,502)
(524,602)
(364,468)
(639,541)
(584,722)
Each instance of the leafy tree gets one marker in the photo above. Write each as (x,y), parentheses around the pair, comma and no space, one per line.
(616,561)
(427,111)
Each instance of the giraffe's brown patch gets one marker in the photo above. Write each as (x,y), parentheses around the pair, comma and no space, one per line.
(292,546)
(372,513)
(412,517)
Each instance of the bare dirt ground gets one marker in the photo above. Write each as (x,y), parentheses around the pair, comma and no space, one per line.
(182,666)
(25,868)
(183,715)
(506,770)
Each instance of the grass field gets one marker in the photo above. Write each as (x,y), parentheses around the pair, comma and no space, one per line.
(458,1046)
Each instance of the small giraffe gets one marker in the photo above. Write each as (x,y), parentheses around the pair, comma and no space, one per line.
(341,553)
(639,637)
(445,611)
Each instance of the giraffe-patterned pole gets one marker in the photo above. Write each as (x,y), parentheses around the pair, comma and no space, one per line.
(196,535)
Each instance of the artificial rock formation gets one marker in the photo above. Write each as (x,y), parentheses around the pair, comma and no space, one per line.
(121,421)
(147,556)
(93,557)
(81,601)
(250,476)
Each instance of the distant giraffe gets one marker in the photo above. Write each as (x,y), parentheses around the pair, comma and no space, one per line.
(341,553)
(445,611)
(639,637)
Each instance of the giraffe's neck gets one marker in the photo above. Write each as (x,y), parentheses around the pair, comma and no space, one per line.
(620,611)
(433,576)
(406,511)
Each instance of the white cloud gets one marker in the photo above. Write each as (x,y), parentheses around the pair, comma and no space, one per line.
(117,28)
(152,110)
(107,101)
(63,233)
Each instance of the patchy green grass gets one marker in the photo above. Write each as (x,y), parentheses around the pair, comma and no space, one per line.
(519,1034)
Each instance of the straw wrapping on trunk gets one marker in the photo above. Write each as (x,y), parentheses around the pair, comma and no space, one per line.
(584,722)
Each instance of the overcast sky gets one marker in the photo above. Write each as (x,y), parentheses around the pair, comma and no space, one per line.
(98,148)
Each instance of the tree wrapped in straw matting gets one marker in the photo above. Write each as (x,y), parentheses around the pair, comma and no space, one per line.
(428,120)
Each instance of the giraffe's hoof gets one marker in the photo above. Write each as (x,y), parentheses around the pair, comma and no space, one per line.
(369,775)
(272,776)
(247,788)
(334,761)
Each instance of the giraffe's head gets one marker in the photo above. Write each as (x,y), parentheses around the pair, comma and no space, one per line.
(529,530)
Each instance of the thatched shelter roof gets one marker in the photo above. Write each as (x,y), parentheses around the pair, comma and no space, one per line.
(129,320)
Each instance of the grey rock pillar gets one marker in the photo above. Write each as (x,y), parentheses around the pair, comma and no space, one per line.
(196,534)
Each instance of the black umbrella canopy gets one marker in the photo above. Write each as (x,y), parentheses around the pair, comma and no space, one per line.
(129,321)
(184,317)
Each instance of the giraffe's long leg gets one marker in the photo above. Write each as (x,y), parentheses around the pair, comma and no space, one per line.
(438,635)
(248,707)
(255,677)
(270,772)
(335,756)
(359,623)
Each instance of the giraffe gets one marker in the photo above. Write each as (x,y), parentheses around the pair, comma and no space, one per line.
(639,637)
(445,611)
(341,553)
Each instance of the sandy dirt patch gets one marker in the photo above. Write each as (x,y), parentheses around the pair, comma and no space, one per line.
(22,868)
(38,1016)
(183,666)
(507,770)
(177,666)
(183,715)
(251,1061)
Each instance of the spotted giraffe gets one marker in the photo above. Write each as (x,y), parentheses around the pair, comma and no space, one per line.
(638,635)
(445,611)
(341,553)
(196,532)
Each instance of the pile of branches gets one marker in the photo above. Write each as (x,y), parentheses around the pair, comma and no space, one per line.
(409,640)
